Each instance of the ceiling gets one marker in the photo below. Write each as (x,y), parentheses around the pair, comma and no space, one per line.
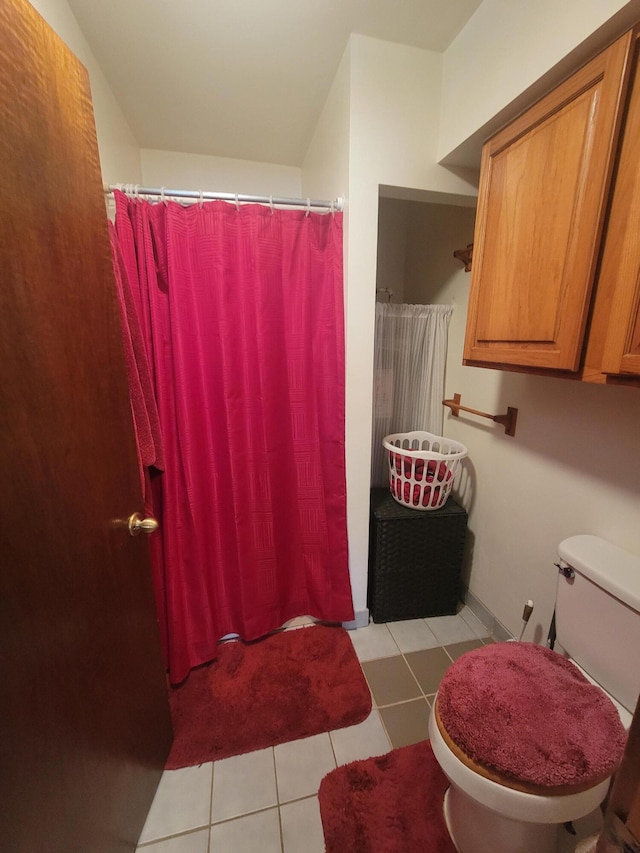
(243,78)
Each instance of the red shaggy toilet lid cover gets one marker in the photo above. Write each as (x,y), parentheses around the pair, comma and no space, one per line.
(530,714)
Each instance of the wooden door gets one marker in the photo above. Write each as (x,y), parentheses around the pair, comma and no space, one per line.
(83,704)
(622,813)
(543,191)
(618,297)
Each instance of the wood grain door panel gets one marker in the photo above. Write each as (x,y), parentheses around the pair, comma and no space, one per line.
(536,168)
(620,269)
(83,704)
(544,184)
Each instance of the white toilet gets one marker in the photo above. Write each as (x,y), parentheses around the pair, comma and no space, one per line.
(492,806)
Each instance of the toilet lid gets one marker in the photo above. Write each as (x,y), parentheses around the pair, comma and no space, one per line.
(531,715)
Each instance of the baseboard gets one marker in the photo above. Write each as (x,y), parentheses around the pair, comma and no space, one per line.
(495,627)
(361,620)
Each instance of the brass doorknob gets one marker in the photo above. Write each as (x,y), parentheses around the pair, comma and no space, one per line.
(138,524)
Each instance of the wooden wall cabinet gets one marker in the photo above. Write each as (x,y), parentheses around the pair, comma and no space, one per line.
(613,346)
(549,182)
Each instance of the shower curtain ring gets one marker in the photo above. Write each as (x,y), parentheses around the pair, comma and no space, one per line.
(201,199)
(237,202)
(308,207)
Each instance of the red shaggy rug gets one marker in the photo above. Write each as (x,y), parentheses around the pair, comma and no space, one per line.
(286,686)
(389,804)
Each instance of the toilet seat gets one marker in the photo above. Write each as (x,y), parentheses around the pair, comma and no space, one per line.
(507,801)
(526,718)
(502,778)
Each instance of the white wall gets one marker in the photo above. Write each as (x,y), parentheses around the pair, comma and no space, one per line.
(572,467)
(507,47)
(416,241)
(119,150)
(434,232)
(395,104)
(218,174)
(325,170)
(574,464)
(393,215)
(393,98)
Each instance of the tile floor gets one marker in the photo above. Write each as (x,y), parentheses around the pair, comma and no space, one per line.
(266,801)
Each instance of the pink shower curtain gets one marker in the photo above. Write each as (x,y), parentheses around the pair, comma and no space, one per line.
(242,315)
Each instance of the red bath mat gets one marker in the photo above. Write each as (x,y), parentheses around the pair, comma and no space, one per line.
(286,686)
(389,804)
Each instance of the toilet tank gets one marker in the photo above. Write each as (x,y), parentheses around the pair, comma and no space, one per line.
(598,614)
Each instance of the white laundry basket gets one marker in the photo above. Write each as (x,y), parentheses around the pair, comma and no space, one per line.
(422,468)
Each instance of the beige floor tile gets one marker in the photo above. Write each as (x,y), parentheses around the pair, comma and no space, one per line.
(407,723)
(390,680)
(413,635)
(302,827)
(362,741)
(255,833)
(479,629)
(457,649)
(374,641)
(193,842)
(182,802)
(451,629)
(428,667)
(243,784)
(301,765)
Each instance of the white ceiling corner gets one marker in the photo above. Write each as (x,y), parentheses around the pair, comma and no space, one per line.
(243,78)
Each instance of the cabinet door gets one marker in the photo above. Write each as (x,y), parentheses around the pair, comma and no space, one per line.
(543,189)
(620,270)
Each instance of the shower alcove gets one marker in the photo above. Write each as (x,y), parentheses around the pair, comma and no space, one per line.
(418,233)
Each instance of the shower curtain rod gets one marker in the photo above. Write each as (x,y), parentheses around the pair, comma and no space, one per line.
(238,198)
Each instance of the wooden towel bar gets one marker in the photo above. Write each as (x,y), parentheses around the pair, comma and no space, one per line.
(508,421)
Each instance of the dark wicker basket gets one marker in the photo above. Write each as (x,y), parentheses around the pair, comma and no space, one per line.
(415,559)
